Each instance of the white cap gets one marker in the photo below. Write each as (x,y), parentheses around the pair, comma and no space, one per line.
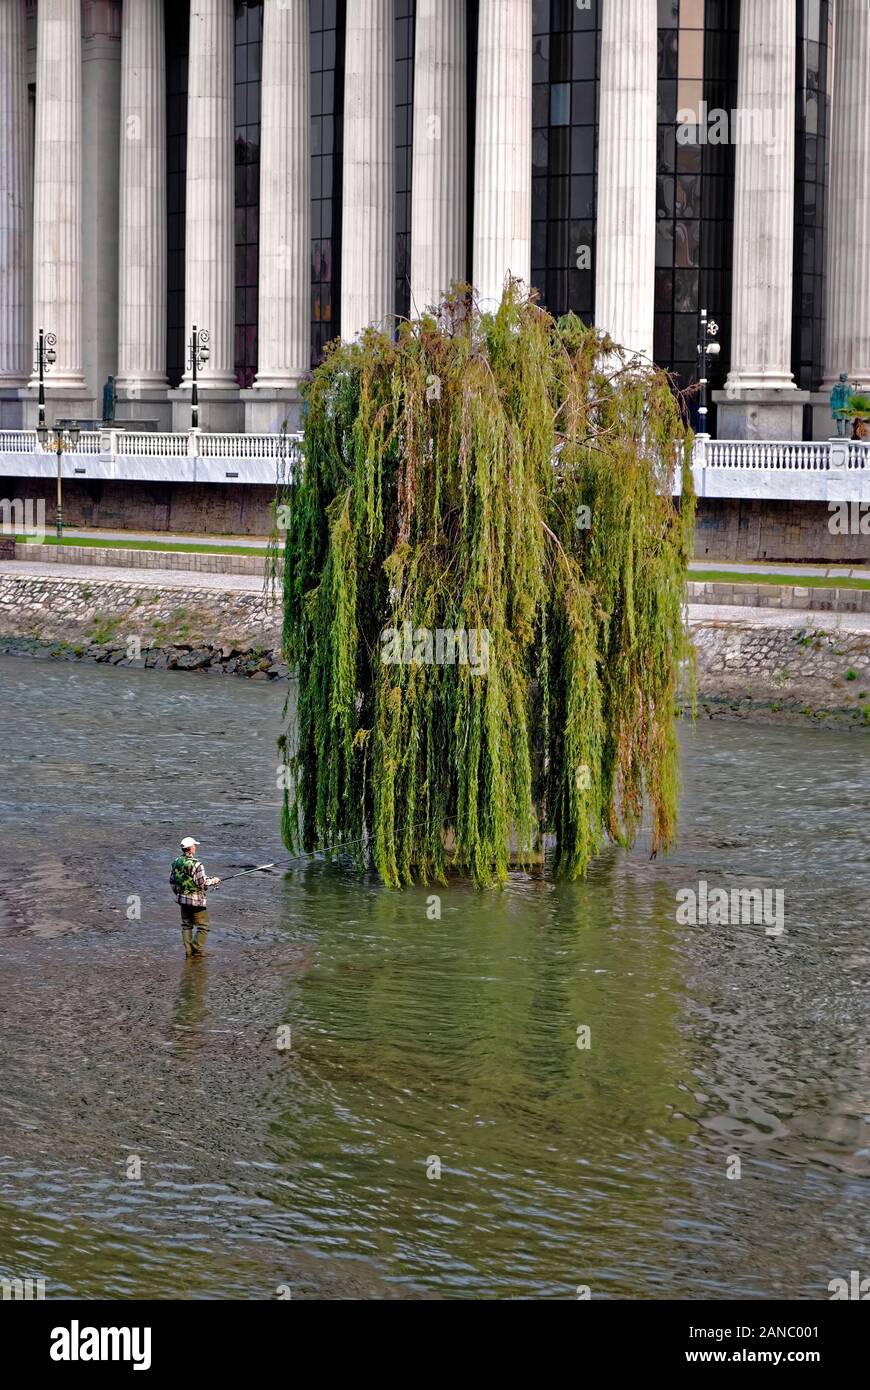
(189,843)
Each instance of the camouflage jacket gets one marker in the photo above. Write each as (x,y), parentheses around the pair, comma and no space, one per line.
(189,882)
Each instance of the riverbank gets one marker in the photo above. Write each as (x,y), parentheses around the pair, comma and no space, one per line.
(785,663)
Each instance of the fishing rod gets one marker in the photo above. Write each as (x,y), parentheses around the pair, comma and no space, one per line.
(309,854)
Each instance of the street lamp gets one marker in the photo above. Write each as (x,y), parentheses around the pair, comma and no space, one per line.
(197,357)
(706,349)
(45,360)
(55,438)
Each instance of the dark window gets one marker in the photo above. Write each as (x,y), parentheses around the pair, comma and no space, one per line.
(248,56)
(404,61)
(177,26)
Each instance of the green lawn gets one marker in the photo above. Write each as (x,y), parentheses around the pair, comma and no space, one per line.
(182,547)
(801,581)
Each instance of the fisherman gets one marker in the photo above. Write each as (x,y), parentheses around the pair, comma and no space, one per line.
(190,885)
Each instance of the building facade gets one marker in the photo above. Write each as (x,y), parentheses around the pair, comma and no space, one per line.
(279,172)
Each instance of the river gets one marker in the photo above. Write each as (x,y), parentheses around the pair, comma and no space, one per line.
(433,1128)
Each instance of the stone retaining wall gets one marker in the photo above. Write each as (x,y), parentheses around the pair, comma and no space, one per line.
(189,628)
(833,600)
(121,558)
(744,666)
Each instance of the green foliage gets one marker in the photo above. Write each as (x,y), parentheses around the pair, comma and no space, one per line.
(445,473)
(859,406)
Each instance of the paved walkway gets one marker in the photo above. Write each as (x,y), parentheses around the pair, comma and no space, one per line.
(137,578)
(815,620)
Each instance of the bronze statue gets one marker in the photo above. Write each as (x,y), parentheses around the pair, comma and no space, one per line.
(109,399)
(840,397)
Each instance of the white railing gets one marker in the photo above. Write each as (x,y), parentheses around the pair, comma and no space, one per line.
(150,445)
(17,441)
(819,456)
(248,446)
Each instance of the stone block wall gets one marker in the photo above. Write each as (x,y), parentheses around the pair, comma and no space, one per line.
(733,529)
(210,509)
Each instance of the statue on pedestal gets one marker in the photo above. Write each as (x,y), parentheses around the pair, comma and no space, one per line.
(840,397)
(109,399)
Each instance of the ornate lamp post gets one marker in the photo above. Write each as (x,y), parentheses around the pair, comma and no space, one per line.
(45,359)
(197,357)
(706,349)
(55,438)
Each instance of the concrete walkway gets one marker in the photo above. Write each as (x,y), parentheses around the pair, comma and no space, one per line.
(817,620)
(136,578)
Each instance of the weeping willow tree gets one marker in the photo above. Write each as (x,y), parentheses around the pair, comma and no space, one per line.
(507,477)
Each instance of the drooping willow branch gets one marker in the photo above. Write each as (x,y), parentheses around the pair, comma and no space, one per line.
(439,506)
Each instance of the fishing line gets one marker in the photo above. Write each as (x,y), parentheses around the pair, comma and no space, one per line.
(309,854)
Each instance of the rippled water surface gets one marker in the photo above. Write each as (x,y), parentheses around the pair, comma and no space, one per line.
(417,1042)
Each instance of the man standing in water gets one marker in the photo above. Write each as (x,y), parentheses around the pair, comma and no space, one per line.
(190,885)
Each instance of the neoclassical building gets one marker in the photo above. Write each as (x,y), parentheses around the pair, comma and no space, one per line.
(276,172)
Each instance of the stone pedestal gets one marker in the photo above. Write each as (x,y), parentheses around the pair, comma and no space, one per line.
(11,408)
(60,404)
(220,411)
(751,414)
(145,403)
(266,410)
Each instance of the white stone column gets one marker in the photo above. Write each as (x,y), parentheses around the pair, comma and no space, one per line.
(57,189)
(503,148)
(438,182)
(761,310)
(626,222)
(142,211)
(847,323)
(209,233)
(368,234)
(16,349)
(284,333)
